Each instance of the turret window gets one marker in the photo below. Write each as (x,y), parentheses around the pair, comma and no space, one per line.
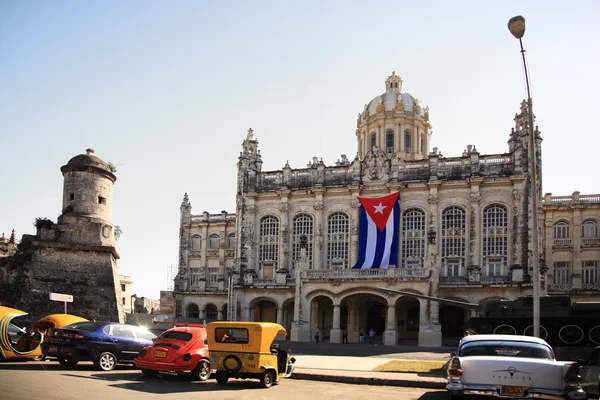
(407,142)
(389,142)
(71,196)
(101,200)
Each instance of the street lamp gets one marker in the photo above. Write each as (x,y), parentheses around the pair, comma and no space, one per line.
(516,26)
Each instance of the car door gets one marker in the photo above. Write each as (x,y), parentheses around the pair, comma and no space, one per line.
(125,343)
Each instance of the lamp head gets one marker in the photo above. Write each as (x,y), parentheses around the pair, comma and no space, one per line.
(516,26)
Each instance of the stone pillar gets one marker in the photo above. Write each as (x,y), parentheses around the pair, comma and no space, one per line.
(576,267)
(355,204)
(280,315)
(401,136)
(220,314)
(430,332)
(319,239)
(285,228)
(390,336)
(248,313)
(474,248)
(335,335)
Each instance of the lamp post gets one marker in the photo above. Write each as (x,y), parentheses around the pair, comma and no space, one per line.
(516,26)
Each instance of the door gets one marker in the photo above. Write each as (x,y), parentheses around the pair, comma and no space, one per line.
(125,344)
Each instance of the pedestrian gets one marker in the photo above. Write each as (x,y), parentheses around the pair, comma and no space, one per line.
(361,337)
(371,335)
(317,335)
(345,335)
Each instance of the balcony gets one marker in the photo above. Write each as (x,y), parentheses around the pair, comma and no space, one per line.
(454,280)
(375,273)
(590,286)
(560,287)
(229,253)
(495,280)
(212,253)
(590,241)
(562,242)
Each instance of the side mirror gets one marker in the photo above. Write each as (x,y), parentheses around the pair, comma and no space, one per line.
(452,354)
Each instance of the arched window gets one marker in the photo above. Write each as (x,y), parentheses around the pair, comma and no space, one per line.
(373,140)
(231,241)
(589,229)
(495,239)
(302,225)
(453,242)
(389,141)
(211,312)
(195,246)
(413,238)
(337,240)
(562,234)
(407,142)
(214,242)
(423,143)
(268,250)
(192,311)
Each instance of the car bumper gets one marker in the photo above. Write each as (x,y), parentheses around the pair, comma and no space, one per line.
(158,366)
(290,369)
(458,388)
(70,353)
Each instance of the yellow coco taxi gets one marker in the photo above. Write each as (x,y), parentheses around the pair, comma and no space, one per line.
(246,350)
(16,342)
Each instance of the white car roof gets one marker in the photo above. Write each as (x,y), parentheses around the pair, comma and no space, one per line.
(508,338)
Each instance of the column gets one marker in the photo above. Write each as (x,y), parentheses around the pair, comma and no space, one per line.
(280,315)
(401,136)
(248,313)
(390,336)
(430,332)
(474,229)
(220,314)
(335,335)
(318,244)
(397,138)
(285,229)
(355,204)
(576,269)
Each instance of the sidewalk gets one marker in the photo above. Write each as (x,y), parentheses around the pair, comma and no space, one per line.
(354,363)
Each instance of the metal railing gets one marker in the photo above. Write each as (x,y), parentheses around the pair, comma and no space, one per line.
(374,273)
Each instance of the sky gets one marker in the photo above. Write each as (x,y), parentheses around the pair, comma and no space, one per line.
(166,91)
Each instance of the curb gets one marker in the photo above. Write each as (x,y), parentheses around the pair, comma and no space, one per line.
(369,381)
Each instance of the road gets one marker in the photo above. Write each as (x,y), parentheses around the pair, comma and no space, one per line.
(50,381)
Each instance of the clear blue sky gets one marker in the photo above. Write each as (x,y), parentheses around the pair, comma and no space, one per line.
(167,90)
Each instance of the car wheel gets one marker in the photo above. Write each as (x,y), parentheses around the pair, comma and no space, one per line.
(222,377)
(201,372)
(66,362)
(266,380)
(149,373)
(106,361)
(232,363)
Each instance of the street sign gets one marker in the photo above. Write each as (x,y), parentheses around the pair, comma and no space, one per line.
(67,298)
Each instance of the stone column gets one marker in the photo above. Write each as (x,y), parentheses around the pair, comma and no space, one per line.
(251,237)
(474,229)
(335,335)
(284,238)
(248,313)
(430,332)
(355,204)
(220,314)
(390,336)
(576,267)
(319,239)
(280,315)
(401,136)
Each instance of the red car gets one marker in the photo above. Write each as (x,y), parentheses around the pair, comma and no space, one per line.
(180,349)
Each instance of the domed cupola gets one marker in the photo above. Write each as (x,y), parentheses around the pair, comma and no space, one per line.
(395,122)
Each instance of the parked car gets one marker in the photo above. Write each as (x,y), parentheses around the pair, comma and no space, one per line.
(511,366)
(104,343)
(245,350)
(590,372)
(182,348)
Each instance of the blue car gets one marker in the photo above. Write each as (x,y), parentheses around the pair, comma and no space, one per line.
(106,344)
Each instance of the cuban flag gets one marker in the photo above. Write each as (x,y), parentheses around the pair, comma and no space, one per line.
(378,232)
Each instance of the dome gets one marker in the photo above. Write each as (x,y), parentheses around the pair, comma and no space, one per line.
(89,159)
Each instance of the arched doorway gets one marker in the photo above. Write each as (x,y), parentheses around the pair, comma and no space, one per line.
(192,311)
(363,311)
(376,315)
(265,311)
(321,316)
(408,313)
(211,313)
(452,319)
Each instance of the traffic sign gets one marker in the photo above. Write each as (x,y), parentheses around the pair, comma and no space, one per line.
(67,298)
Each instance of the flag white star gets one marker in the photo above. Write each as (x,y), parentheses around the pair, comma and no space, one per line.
(379,208)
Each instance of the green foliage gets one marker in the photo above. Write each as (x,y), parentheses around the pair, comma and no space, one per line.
(118,232)
(112,167)
(44,223)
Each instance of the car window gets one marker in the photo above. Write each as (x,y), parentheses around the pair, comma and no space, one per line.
(175,335)
(123,331)
(142,333)
(231,335)
(85,326)
(506,349)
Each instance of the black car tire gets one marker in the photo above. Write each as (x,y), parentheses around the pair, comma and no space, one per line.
(66,362)
(201,372)
(222,377)
(39,358)
(267,379)
(236,360)
(149,373)
(106,361)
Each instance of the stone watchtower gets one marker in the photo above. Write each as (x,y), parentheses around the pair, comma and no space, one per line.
(77,255)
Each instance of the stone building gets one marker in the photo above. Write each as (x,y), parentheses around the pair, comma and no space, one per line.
(76,255)
(464,233)
(126,298)
(8,246)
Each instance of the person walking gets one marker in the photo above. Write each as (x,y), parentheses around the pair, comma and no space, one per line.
(361,337)
(371,335)
(317,335)
(345,335)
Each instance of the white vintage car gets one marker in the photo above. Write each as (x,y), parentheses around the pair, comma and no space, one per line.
(511,367)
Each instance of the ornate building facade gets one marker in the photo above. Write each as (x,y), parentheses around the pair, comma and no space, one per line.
(286,254)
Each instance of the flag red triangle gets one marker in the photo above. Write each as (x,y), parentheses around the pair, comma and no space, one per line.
(379,208)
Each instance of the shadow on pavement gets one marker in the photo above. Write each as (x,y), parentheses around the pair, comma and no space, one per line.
(358,350)
(434,396)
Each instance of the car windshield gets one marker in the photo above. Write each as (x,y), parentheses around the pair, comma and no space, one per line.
(506,349)
(175,335)
(85,326)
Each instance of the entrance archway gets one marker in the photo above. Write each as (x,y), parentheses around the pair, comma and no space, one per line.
(363,311)
(376,315)
(321,316)
(408,312)
(265,311)
(452,319)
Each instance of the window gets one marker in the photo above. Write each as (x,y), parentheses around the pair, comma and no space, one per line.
(194,277)
(192,311)
(195,243)
(302,225)
(589,229)
(589,273)
(211,312)
(231,335)
(177,335)
(269,240)
(142,333)
(213,277)
(101,200)
(423,144)
(231,241)
(453,241)
(267,270)
(373,140)
(214,242)
(337,239)
(122,331)
(71,196)
(407,142)
(389,141)
(561,230)
(122,287)
(495,239)
(562,274)
(413,238)
(123,300)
